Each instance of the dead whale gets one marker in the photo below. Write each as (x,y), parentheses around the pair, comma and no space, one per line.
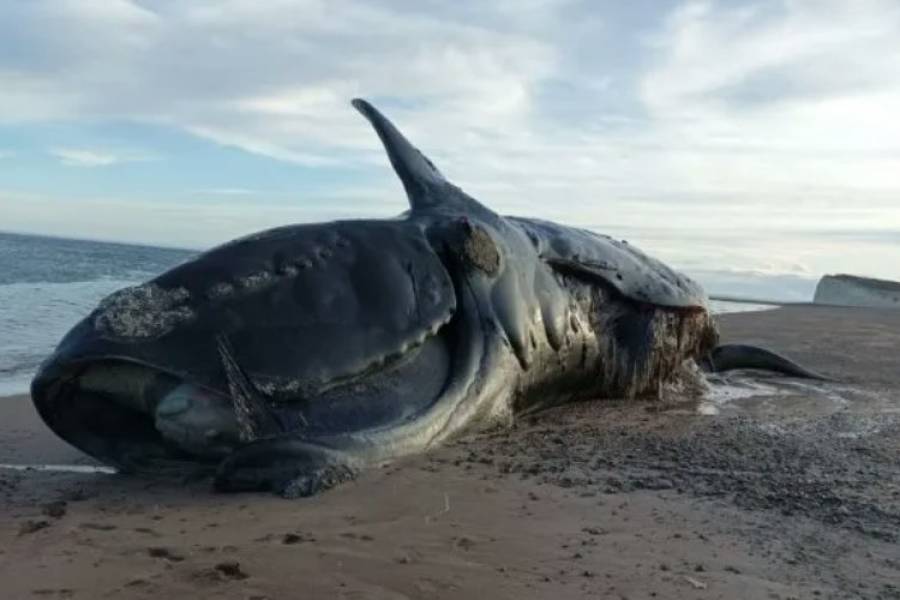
(292,358)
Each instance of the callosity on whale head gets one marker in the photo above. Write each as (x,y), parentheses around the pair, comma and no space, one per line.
(291,358)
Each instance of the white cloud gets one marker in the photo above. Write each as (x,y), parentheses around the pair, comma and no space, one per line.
(73,157)
(778,101)
(228,192)
(83,157)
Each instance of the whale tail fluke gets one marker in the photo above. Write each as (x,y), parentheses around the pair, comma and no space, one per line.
(727,357)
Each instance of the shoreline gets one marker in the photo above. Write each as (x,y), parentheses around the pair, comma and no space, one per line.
(786,303)
(793,493)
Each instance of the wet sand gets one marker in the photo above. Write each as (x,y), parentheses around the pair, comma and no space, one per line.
(790,490)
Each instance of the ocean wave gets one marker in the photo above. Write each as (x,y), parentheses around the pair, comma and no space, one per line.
(35,316)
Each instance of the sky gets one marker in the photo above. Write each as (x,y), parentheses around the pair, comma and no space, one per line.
(736,137)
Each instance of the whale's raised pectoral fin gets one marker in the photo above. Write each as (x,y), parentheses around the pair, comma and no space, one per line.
(425,186)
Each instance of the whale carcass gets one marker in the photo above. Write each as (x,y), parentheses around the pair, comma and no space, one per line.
(292,358)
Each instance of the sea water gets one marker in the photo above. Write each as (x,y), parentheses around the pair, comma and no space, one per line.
(49,284)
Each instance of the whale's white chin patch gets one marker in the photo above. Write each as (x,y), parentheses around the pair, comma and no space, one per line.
(198,421)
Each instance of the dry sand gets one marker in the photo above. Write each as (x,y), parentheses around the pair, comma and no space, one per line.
(792,493)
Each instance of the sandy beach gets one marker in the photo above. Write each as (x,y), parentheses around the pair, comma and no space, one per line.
(770,489)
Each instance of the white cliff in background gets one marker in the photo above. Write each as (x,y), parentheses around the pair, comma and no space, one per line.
(850,290)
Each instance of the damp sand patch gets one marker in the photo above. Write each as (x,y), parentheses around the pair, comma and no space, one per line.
(766,395)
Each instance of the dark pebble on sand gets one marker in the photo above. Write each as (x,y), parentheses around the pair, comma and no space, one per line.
(32,525)
(57,592)
(465,543)
(54,510)
(231,569)
(660,483)
(97,526)
(165,553)
(145,530)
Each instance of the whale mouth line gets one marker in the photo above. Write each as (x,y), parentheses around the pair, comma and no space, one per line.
(139,417)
